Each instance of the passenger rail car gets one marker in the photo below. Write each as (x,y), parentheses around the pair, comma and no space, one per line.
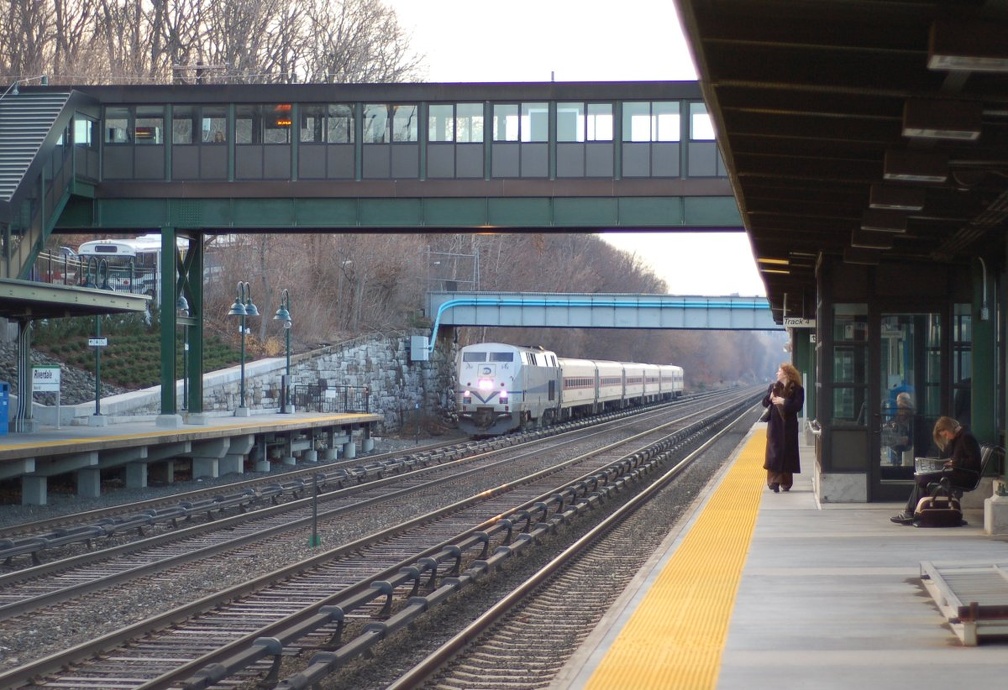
(504,387)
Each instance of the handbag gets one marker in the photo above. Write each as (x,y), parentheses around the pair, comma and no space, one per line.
(765,417)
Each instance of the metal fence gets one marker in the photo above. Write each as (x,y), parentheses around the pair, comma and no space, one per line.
(321,397)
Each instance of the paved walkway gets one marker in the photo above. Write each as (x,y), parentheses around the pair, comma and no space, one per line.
(830,597)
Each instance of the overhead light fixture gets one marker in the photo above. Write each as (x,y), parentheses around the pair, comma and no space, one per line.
(778,271)
(973,46)
(889,197)
(915,166)
(942,119)
(864,239)
(875,220)
(856,255)
(777,262)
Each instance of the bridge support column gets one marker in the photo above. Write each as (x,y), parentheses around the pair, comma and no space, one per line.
(232,453)
(89,482)
(349,450)
(34,490)
(136,475)
(262,463)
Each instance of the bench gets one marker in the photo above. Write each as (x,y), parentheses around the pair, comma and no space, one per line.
(990,457)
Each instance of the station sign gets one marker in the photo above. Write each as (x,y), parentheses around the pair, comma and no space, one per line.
(46,378)
(795,322)
(97,342)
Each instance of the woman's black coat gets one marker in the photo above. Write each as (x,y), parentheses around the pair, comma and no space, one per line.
(782,429)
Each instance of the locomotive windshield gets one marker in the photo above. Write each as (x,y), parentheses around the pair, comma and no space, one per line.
(487,356)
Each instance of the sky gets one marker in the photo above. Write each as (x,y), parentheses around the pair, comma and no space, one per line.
(574,40)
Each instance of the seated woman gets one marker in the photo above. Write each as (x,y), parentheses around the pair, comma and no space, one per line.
(962,466)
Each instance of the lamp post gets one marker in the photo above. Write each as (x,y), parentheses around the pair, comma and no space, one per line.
(283,316)
(242,308)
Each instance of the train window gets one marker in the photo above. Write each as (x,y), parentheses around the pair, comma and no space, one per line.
(473,356)
(501,356)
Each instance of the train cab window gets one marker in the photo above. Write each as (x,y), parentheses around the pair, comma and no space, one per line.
(473,356)
(501,356)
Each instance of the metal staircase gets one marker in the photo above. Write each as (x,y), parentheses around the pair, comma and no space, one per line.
(27,140)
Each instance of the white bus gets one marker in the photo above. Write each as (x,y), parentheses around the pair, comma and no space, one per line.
(130,264)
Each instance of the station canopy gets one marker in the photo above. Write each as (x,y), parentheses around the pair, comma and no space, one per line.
(21,299)
(875,131)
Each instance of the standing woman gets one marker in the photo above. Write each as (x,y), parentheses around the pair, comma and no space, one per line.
(785,398)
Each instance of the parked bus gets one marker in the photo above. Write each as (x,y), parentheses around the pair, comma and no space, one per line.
(133,264)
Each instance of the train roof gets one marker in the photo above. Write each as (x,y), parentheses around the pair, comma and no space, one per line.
(504,347)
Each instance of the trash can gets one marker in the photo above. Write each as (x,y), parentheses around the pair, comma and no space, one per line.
(4,407)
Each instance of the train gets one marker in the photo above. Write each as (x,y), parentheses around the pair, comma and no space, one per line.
(506,387)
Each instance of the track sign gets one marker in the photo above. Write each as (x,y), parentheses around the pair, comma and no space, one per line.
(97,342)
(46,378)
(795,322)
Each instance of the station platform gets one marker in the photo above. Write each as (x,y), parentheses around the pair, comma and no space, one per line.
(217,445)
(762,590)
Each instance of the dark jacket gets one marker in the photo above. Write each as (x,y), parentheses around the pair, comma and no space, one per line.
(782,429)
(964,453)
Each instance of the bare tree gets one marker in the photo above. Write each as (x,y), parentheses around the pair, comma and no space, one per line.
(234,41)
(356,41)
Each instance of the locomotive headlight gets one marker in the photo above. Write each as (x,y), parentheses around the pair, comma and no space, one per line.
(467,394)
(485,384)
(504,396)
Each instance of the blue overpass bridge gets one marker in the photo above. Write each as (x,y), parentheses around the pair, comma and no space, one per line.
(545,310)
(192,161)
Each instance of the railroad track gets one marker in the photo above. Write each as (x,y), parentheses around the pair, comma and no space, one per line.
(271,601)
(503,646)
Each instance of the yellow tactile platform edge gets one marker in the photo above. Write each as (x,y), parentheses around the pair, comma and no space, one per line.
(675,637)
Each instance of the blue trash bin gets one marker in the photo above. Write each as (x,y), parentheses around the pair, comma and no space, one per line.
(4,406)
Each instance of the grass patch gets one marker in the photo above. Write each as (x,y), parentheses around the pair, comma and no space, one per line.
(132,358)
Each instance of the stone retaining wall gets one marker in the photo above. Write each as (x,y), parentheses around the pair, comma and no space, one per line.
(399,389)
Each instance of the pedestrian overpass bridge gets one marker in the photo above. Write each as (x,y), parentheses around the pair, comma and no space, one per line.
(596,310)
(198,160)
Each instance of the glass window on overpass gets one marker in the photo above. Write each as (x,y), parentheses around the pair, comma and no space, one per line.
(327,124)
(524,122)
(651,121)
(263,124)
(581,122)
(455,122)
